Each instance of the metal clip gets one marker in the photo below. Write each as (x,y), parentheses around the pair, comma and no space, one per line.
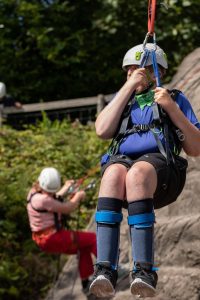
(153,36)
(180,135)
(165,5)
(146,40)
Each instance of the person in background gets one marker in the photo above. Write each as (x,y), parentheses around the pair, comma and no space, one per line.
(7,100)
(45,206)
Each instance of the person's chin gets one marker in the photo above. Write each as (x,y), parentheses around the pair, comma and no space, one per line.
(140,89)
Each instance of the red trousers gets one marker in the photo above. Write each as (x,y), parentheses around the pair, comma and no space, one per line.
(71,242)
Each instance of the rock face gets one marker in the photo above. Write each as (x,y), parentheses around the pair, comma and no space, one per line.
(177,229)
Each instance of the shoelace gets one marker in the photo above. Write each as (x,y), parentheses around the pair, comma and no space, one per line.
(107,272)
(142,272)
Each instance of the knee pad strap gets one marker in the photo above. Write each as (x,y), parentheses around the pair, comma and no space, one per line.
(108,217)
(142,220)
(111,204)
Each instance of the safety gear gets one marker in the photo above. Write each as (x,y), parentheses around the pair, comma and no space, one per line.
(49,180)
(135,55)
(127,127)
(141,220)
(2,90)
(108,217)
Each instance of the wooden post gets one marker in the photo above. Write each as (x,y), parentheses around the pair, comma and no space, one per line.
(100,103)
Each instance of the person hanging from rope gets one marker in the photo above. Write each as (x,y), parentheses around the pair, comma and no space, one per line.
(142,169)
(45,207)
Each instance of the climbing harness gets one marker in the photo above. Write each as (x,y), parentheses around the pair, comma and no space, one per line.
(174,134)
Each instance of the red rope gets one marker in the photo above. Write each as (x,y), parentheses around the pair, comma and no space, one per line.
(77,184)
(151,16)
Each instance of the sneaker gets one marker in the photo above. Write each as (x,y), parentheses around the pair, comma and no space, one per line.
(144,282)
(104,281)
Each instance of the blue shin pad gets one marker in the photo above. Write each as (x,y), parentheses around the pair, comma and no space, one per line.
(108,235)
(142,237)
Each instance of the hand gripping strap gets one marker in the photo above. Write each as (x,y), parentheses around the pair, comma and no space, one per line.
(142,220)
(109,217)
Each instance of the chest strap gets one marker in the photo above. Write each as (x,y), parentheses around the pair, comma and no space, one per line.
(137,128)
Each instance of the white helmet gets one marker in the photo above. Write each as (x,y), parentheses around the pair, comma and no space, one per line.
(2,90)
(49,180)
(134,56)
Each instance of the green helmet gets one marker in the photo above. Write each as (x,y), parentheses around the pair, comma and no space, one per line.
(134,56)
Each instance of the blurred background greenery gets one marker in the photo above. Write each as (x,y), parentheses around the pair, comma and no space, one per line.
(74,149)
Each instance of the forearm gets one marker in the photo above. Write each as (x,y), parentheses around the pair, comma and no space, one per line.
(65,207)
(69,207)
(191,144)
(73,203)
(65,188)
(108,120)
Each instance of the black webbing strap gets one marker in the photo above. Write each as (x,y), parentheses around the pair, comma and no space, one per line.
(159,144)
(136,128)
(58,225)
(36,209)
(126,116)
(144,128)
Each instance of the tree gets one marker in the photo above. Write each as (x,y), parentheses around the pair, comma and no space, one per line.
(68,49)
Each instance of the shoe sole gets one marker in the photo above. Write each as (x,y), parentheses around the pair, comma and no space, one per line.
(142,289)
(102,287)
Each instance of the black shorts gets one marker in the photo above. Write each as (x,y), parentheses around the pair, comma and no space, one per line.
(171,178)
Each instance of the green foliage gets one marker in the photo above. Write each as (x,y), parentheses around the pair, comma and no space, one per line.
(68,49)
(75,150)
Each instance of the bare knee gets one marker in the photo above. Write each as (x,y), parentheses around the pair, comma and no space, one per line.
(141,181)
(113,181)
(115,173)
(141,173)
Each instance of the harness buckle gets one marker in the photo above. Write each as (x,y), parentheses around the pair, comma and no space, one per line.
(137,127)
(143,127)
